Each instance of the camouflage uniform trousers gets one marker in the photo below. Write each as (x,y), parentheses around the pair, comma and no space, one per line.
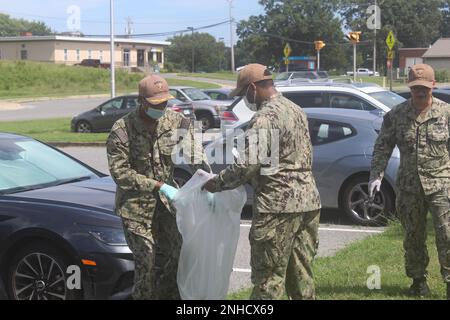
(156,248)
(412,210)
(283,247)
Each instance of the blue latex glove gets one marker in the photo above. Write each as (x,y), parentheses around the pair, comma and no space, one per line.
(168,191)
(211,200)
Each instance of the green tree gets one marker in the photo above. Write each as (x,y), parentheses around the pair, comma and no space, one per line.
(445,26)
(415,23)
(10,27)
(263,37)
(210,54)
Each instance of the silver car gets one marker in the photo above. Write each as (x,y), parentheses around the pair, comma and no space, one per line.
(343,142)
(206,110)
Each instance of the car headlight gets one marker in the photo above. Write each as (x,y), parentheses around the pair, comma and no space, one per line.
(109,236)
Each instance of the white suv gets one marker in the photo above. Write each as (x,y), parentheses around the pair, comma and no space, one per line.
(357,96)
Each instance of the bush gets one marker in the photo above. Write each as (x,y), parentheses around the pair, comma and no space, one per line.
(442,75)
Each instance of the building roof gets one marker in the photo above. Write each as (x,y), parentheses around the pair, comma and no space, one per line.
(83,39)
(440,49)
(413,49)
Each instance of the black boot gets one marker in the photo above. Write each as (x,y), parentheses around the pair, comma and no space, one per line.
(420,288)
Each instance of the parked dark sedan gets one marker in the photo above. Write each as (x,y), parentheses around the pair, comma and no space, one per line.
(103,117)
(57,218)
(441,94)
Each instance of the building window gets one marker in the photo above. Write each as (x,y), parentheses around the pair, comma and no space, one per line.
(89,54)
(159,57)
(78,54)
(101,56)
(126,57)
(23,54)
(65,54)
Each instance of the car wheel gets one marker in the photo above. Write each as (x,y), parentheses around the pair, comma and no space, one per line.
(206,119)
(83,127)
(38,272)
(181,177)
(355,202)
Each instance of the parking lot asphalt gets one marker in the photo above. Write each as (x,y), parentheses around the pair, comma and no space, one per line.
(335,231)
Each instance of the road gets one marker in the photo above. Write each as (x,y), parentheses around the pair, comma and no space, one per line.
(49,109)
(335,231)
(69,107)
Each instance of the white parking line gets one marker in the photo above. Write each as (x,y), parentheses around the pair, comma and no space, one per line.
(350,230)
(334,229)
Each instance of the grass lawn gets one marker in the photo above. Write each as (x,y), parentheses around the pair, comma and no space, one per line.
(24,79)
(217,75)
(344,276)
(54,130)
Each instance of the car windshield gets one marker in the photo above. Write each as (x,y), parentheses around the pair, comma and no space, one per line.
(388,98)
(283,76)
(196,94)
(323,74)
(29,165)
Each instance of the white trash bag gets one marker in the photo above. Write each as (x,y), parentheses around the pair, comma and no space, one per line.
(210,238)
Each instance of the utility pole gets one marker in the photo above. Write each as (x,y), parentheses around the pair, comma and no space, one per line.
(233,67)
(221,57)
(113,67)
(354,62)
(375,40)
(193,49)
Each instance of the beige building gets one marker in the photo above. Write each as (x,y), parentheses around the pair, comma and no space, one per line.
(72,50)
(438,56)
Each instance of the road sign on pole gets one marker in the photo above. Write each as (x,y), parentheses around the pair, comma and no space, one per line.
(390,40)
(287,50)
(391,55)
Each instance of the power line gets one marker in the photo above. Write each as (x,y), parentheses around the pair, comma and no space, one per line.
(161,34)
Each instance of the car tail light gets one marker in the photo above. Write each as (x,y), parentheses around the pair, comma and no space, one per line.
(229,116)
(176,108)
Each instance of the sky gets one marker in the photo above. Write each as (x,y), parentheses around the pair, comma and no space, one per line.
(151,16)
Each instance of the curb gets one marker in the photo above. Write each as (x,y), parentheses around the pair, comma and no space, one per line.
(77,144)
(25,100)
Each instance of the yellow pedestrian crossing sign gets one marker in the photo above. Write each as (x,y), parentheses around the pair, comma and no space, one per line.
(287,50)
(390,40)
(391,55)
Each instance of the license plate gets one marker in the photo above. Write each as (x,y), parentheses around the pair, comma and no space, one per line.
(186,112)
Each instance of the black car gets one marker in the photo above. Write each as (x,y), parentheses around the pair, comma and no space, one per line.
(441,94)
(58,227)
(103,117)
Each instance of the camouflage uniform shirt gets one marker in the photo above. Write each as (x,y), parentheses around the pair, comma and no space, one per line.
(423,143)
(138,159)
(291,188)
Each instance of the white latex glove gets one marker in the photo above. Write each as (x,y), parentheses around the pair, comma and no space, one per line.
(374,185)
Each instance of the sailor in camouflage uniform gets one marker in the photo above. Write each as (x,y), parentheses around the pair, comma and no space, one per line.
(284,232)
(140,148)
(420,128)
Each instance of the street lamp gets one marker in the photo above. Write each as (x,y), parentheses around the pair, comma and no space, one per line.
(193,49)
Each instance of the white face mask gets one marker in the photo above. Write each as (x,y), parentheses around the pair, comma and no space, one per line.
(251,106)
